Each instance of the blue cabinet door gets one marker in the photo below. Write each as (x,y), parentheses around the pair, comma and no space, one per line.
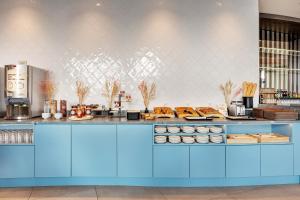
(207,161)
(52,150)
(135,150)
(277,160)
(94,150)
(171,161)
(296,141)
(16,161)
(243,161)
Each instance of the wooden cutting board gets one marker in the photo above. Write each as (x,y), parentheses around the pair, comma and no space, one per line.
(272,138)
(241,139)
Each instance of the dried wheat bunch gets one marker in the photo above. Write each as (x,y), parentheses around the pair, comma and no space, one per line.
(48,88)
(81,91)
(148,95)
(227,92)
(110,91)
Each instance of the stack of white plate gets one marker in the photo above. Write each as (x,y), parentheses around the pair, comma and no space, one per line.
(160,129)
(188,139)
(173,129)
(202,129)
(203,139)
(174,139)
(160,139)
(188,129)
(216,129)
(216,138)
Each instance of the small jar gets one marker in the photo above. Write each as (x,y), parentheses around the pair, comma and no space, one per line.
(83,109)
(88,110)
(53,107)
(79,113)
(73,111)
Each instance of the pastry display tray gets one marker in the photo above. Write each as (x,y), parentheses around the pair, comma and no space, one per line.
(240,118)
(198,118)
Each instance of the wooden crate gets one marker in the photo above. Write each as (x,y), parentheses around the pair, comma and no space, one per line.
(258,112)
(241,139)
(280,115)
(272,138)
(275,113)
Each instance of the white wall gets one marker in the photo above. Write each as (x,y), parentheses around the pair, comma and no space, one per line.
(188,47)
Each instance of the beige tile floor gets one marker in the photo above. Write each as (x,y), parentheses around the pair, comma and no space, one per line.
(285,192)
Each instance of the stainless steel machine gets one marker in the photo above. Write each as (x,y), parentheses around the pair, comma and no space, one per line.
(2,102)
(22,93)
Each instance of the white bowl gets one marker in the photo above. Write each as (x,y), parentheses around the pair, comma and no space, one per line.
(46,115)
(58,115)
(188,140)
(173,129)
(216,129)
(160,139)
(202,129)
(188,129)
(160,129)
(174,139)
(216,138)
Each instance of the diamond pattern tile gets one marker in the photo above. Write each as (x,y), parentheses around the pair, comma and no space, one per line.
(188,48)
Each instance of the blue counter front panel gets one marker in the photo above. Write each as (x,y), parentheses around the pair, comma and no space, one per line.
(296,141)
(135,151)
(243,161)
(16,161)
(94,151)
(277,160)
(125,154)
(207,161)
(53,150)
(171,161)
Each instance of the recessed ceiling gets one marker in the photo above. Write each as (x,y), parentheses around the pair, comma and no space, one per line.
(290,8)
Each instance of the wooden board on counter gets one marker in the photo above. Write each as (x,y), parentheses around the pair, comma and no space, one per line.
(275,114)
(272,138)
(241,139)
(280,115)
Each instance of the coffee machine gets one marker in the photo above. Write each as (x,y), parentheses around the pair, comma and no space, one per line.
(22,93)
(2,102)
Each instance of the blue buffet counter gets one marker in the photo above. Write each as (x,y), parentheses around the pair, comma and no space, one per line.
(126,154)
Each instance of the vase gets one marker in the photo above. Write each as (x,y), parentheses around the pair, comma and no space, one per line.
(146,110)
(53,106)
(109,112)
(47,106)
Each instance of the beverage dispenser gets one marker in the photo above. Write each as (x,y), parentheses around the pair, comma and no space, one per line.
(22,93)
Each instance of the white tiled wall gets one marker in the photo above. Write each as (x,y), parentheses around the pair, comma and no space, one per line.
(188,47)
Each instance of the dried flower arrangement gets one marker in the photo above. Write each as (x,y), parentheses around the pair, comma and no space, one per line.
(81,91)
(110,91)
(48,87)
(147,94)
(227,91)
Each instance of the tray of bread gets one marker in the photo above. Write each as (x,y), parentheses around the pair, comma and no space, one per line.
(163,112)
(209,112)
(271,138)
(86,117)
(241,139)
(183,112)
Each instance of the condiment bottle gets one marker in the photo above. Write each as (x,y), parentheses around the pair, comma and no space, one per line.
(63,107)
